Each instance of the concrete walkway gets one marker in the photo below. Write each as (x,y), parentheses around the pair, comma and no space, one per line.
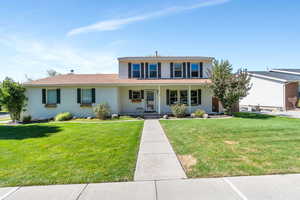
(272,187)
(156,158)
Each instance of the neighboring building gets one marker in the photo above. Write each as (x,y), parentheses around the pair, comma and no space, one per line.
(274,89)
(143,85)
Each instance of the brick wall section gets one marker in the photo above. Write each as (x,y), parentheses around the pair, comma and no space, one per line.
(291,90)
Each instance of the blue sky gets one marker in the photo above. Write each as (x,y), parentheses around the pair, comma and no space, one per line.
(88,36)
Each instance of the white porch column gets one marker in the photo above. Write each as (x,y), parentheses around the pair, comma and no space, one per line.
(189,99)
(159,111)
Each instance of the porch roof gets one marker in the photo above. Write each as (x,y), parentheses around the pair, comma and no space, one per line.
(108,79)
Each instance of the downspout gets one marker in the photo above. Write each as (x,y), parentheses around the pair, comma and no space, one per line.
(284,97)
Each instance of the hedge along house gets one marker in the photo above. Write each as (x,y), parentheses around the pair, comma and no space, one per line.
(143,85)
(275,89)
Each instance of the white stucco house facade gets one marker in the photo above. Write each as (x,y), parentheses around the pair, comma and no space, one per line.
(273,89)
(143,85)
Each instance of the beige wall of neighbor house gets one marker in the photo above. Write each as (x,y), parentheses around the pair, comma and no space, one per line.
(165,68)
(265,93)
(37,110)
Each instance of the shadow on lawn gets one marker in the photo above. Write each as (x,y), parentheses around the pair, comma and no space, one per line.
(23,132)
(252,115)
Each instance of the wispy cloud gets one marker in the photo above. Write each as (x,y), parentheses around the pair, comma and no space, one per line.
(34,57)
(115,24)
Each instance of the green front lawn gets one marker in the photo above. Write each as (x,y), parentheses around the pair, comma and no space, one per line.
(49,153)
(249,144)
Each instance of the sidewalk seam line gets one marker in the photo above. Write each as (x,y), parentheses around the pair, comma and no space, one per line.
(240,194)
(156,196)
(9,193)
(80,193)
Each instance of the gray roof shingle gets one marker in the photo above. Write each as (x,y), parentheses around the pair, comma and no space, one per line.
(285,77)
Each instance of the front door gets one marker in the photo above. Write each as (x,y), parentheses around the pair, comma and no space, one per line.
(150,101)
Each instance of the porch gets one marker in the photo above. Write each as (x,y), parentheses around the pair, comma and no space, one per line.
(138,100)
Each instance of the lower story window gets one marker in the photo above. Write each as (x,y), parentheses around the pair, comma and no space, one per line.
(194,97)
(173,97)
(86,97)
(51,97)
(136,95)
(183,96)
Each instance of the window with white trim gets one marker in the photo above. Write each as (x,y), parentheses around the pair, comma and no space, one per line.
(136,71)
(195,68)
(173,97)
(136,95)
(51,96)
(194,97)
(183,96)
(178,71)
(86,96)
(153,68)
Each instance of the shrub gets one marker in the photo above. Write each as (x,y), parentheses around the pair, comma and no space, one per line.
(102,111)
(199,113)
(63,116)
(178,110)
(26,119)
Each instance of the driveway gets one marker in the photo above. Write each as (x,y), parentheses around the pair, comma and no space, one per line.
(272,187)
(291,113)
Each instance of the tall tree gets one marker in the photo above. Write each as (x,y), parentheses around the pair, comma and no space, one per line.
(227,86)
(12,97)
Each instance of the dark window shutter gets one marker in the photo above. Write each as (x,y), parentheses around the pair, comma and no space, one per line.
(159,70)
(78,95)
(168,97)
(142,70)
(44,96)
(142,94)
(201,70)
(130,94)
(184,70)
(129,70)
(199,97)
(171,70)
(93,95)
(58,96)
(189,70)
(146,66)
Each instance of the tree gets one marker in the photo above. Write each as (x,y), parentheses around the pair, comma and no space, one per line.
(12,97)
(228,87)
(52,72)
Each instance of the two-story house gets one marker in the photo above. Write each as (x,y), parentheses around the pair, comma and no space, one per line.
(144,85)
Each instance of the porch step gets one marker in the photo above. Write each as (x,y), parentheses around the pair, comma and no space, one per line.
(151,116)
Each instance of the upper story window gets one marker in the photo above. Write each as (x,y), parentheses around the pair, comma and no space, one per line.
(195,70)
(178,72)
(152,70)
(136,70)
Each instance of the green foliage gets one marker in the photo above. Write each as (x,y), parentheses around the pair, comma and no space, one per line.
(178,110)
(63,116)
(102,111)
(26,119)
(199,113)
(229,88)
(12,98)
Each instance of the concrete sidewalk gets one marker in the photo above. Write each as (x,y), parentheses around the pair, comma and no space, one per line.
(272,187)
(156,158)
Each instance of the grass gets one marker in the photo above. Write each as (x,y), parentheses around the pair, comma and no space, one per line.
(121,118)
(249,144)
(47,153)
